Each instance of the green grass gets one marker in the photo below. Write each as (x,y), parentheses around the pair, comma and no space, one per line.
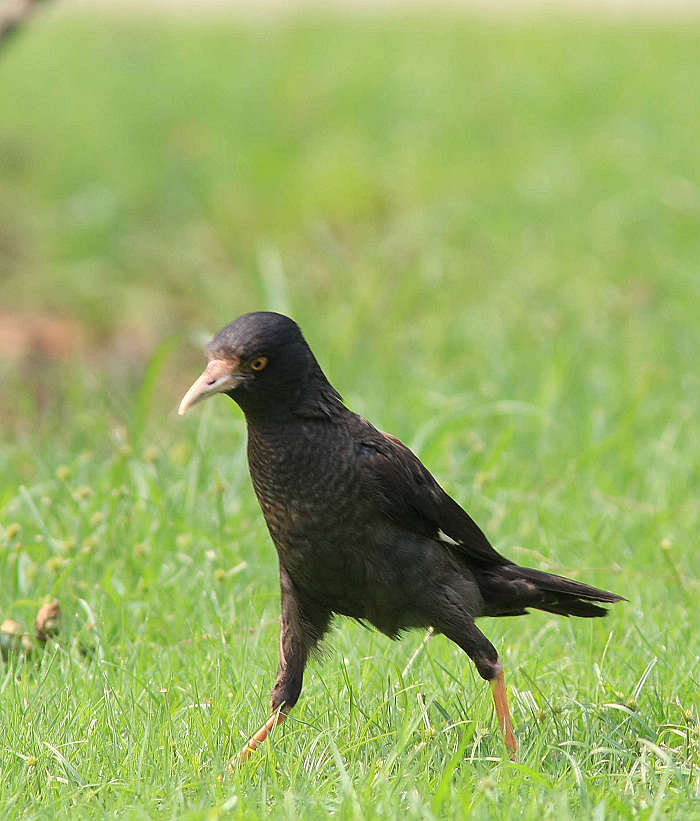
(489,234)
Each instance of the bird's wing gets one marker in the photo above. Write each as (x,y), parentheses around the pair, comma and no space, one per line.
(409,495)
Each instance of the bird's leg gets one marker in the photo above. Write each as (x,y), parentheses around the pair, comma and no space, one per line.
(298,635)
(290,670)
(500,700)
(480,650)
(260,735)
(286,691)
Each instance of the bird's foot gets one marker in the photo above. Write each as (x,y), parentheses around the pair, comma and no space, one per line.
(258,737)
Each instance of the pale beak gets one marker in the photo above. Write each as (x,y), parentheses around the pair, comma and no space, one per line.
(220,375)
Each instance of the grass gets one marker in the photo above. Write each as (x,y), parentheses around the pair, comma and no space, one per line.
(488,232)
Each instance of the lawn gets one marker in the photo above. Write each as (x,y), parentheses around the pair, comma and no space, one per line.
(489,233)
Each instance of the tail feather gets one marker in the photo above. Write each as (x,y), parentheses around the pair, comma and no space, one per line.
(509,590)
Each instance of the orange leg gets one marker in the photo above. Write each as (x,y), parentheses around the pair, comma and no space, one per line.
(300,631)
(498,688)
(260,736)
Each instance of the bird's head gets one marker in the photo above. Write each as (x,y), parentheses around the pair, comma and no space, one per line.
(262,361)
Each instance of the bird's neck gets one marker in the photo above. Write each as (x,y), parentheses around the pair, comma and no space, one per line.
(320,400)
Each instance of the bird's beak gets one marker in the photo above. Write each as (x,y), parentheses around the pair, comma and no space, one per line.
(219,375)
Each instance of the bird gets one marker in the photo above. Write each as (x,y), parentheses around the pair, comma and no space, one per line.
(361,527)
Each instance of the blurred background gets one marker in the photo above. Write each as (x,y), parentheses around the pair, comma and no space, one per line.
(410,185)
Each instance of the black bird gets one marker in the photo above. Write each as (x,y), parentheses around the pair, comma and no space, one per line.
(360,525)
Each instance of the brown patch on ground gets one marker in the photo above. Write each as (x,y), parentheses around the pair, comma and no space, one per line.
(40,335)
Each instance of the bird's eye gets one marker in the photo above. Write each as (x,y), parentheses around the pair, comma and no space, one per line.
(258,363)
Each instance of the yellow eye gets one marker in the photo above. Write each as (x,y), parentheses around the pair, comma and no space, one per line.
(258,363)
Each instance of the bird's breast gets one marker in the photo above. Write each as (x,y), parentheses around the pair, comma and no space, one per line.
(305,478)
(307,482)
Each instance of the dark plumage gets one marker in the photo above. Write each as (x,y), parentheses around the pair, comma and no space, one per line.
(360,525)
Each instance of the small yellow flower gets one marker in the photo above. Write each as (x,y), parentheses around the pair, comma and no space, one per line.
(83,492)
(55,564)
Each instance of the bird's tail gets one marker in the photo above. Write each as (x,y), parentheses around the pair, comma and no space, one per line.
(509,590)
